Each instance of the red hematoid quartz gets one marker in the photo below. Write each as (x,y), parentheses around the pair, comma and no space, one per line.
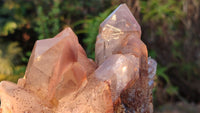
(61,79)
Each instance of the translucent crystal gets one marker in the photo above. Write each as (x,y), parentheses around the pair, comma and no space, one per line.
(152,66)
(114,32)
(118,70)
(120,34)
(138,98)
(61,79)
(54,65)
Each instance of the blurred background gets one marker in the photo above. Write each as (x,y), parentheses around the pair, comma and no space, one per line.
(170,29)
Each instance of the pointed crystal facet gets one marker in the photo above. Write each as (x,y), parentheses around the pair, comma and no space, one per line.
(120,21)
(56,63)
(114,32)
(118,70)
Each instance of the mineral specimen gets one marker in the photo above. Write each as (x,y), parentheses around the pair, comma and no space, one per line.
(61,79)
(120,34)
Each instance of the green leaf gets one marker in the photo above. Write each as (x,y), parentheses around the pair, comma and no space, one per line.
(9,27)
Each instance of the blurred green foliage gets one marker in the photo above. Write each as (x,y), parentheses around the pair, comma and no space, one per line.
(161,11)
(48,23)
(90,29)
(11,17)
(8,68)
(170,30)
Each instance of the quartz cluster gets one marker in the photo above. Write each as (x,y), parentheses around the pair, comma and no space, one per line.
(61,79)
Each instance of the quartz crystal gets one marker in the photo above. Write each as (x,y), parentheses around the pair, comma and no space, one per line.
(138,98)
(114,32)
(58,67)
(118,70)
(121,34)
(55,62)
(61,79)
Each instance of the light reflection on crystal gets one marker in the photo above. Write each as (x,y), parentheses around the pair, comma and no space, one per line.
(124,68)
(114,17)
(38,58)
(108,29)
(61,79)
(117,71)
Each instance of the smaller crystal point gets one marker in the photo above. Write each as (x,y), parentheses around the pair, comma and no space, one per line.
(137,47)
(118,70)
(152,66)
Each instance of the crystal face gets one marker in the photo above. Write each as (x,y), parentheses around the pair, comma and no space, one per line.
(55,62)
(61,79)
(119,22)
(114,32)
(118,70)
